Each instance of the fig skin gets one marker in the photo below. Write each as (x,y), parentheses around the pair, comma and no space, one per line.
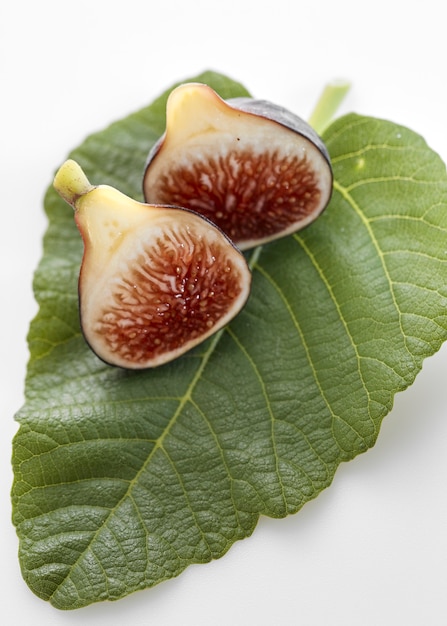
(155,281)
(255,169)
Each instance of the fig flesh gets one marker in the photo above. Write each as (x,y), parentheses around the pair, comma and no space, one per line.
(155,281)
(253,168)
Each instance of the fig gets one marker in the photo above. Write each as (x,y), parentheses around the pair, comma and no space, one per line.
(253,168)
(155,281)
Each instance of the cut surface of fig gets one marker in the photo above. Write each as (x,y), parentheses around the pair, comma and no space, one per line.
(155,281)
(251,167)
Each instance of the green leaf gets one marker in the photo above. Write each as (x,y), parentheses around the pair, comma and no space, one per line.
(123,479)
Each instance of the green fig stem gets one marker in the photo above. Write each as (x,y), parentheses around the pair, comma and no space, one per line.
(328,103)
(71,183)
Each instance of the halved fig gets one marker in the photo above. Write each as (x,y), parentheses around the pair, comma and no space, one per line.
(253,168)
(155,281)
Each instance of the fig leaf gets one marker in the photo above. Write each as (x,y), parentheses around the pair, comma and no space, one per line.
(124,478)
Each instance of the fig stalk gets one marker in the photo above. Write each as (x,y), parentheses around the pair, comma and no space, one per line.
(71,182)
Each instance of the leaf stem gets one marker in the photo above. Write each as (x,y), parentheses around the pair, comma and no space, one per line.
(328,103)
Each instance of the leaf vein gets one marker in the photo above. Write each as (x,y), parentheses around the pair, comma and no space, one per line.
(347,196)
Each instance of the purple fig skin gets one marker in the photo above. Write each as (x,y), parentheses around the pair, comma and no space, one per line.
(282,116)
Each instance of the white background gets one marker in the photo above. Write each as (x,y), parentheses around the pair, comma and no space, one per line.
(372,549)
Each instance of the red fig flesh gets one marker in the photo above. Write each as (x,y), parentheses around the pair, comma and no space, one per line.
(155,281)
(253,168)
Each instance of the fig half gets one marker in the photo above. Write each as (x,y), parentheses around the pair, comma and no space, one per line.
(155,281)
(253,168)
